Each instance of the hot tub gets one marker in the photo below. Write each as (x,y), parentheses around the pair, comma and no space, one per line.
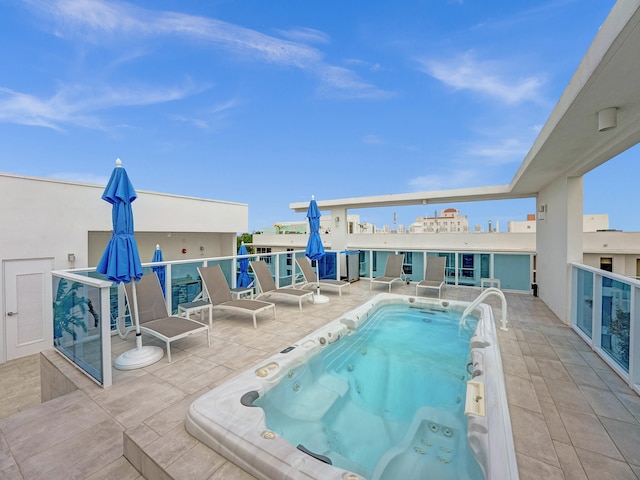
(288,418)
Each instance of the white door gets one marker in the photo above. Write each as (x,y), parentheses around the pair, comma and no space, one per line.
(28,308)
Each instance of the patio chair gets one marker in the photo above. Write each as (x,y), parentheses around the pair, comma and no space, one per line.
(311,279)
(153,316)
(218,291)
(267,286)
(392,271)
(433,275)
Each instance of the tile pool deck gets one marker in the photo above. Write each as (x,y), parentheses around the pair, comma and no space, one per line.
(572,416)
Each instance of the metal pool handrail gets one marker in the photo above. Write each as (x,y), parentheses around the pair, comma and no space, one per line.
(480,298)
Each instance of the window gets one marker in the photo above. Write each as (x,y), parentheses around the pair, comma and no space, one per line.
(266,258)
(289,262)
(606,264)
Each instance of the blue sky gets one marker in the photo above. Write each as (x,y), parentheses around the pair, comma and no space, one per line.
(268,103)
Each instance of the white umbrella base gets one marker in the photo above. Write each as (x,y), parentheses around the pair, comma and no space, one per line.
(138,358)
(320,299)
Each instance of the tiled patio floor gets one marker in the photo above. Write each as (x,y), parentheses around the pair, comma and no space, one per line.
(572,416)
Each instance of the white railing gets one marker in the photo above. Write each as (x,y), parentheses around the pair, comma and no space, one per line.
(488,292)
(605,311)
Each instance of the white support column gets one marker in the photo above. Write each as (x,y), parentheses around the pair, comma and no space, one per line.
(339,231)
(558,242)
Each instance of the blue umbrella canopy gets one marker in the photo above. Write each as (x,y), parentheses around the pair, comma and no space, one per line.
(159,269)
(244,279)
(120,261)
(314,249)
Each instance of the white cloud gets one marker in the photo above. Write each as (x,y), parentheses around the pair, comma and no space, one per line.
(488,78)
(343,83)
(372,67)
(77,105)
(460,178)
(210,118)
(95,20)
(509,150)
(306,35)
(373,140)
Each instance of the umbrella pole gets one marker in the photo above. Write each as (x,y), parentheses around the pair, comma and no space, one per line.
(140,356)
(135,312)
(318,298)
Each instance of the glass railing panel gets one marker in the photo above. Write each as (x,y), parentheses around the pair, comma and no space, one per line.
(616,320)
(298,277)
(327,268)
(450,269)
(271,260)
(77,324)
(286,269)
(185,283)
(584,302)
(410,262)
(513,271)
(379,260)
(226,266)
(365,262)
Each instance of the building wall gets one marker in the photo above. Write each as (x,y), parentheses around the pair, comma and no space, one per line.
(442,241)
(590,223)
(197,245)
(51,219)
(594,222)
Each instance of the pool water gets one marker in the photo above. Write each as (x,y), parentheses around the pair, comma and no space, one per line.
(387,399)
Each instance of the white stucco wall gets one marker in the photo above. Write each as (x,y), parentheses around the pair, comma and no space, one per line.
(197,245)
(507,242)
(50,218)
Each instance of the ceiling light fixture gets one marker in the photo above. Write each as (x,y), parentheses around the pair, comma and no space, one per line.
(607,119)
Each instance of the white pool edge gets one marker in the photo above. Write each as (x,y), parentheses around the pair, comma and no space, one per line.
(239,433)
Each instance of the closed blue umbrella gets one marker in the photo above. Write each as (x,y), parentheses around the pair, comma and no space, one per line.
(159,269)
(120,261)
(244,279)
(315,250)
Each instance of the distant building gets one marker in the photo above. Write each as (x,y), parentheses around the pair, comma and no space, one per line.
(590,223)
(302,226)
(449,221)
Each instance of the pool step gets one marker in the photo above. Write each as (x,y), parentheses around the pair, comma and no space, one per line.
(314,400)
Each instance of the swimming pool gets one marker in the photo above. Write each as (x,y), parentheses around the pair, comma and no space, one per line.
(310,403)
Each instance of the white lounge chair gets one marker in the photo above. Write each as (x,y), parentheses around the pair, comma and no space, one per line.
(434,275)
(392,271)
(219,293)
(267,286)
(311,279)
(153,315)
